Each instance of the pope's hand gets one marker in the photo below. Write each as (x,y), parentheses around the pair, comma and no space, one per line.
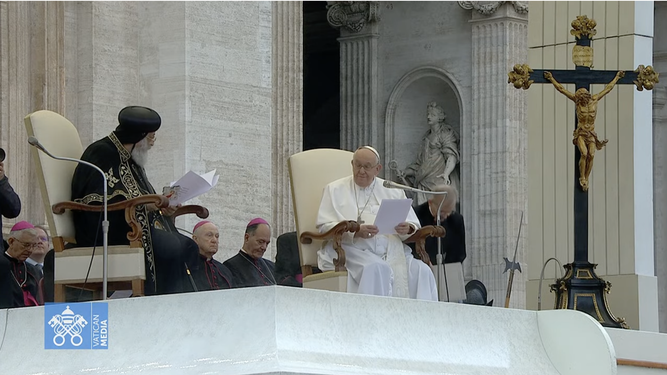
(366,231)
(403,228)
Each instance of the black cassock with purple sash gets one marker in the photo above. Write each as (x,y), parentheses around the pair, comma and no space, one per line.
(19,283)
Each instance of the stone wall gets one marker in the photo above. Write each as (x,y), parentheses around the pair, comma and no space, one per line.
(206,67)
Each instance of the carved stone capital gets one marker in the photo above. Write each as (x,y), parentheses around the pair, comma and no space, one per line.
(352,15)
(487,8)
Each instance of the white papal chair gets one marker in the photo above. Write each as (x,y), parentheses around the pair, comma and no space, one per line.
(126,268)
(310,171)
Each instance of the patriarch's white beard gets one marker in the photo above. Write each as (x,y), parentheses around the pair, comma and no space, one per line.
(140,152)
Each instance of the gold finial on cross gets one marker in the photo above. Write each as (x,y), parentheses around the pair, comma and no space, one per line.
(583,26)
(646,78)
(520,76)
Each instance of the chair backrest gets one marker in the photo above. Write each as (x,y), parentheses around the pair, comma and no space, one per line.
(310,171)
(59,136)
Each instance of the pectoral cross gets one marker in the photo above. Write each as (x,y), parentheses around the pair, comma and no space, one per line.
(359,221)
(522,76)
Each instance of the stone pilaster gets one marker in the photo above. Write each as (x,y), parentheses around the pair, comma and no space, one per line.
(358,71)
(31,78)
(498,155)
(660,200)
(660,189)
(287,108)
(660,165)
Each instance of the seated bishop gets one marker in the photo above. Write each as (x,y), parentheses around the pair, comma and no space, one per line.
(248,267)
(454,243)
(377,264)
(19,280)
(207,273)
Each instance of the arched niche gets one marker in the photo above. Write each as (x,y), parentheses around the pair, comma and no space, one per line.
(405,119)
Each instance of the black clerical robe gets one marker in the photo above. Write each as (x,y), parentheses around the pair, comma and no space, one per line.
(19,283)
(454,242)
(166,250)
(210,274)
(248,271)
(10,204)
(288,265)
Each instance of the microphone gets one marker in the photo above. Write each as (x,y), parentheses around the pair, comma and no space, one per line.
(394,185)
(105,223)
(192,281)
(34,142)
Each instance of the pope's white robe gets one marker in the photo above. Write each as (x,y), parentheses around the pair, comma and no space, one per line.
(380,265)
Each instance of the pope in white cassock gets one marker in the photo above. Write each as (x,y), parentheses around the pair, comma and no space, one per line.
(377,264)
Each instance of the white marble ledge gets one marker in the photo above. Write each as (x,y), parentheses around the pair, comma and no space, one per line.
(281,330)
(640,346)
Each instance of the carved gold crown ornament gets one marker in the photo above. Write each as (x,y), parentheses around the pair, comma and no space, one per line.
(583,26)
(520,76)
(646,78)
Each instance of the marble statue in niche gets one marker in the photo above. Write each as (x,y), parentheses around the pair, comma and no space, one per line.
(438,157)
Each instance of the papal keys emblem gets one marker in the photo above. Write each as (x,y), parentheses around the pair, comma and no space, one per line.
(65,324)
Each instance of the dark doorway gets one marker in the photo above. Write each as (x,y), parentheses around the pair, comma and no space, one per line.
(321,76)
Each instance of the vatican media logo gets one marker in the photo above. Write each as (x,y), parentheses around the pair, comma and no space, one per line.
(76,325)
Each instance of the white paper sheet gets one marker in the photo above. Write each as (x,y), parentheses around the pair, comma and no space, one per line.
(191,185)
(391,213)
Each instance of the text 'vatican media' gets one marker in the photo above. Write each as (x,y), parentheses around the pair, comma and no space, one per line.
(100,331)
(76,325)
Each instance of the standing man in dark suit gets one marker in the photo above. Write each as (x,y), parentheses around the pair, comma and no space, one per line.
(10,203)
(454,242)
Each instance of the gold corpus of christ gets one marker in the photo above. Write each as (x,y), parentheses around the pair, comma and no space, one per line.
(584,136)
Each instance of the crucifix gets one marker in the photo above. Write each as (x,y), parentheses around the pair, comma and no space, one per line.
(581,289)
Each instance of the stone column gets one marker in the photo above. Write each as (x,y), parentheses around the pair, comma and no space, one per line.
(660,198)
(358,71)
(660,165)
(31,78)
(498,155)
(287,108)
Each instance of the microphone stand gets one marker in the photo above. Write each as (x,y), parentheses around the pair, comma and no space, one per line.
(105,223)
(440,257)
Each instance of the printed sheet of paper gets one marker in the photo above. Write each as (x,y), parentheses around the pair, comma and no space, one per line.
(391,213)
(191,185)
